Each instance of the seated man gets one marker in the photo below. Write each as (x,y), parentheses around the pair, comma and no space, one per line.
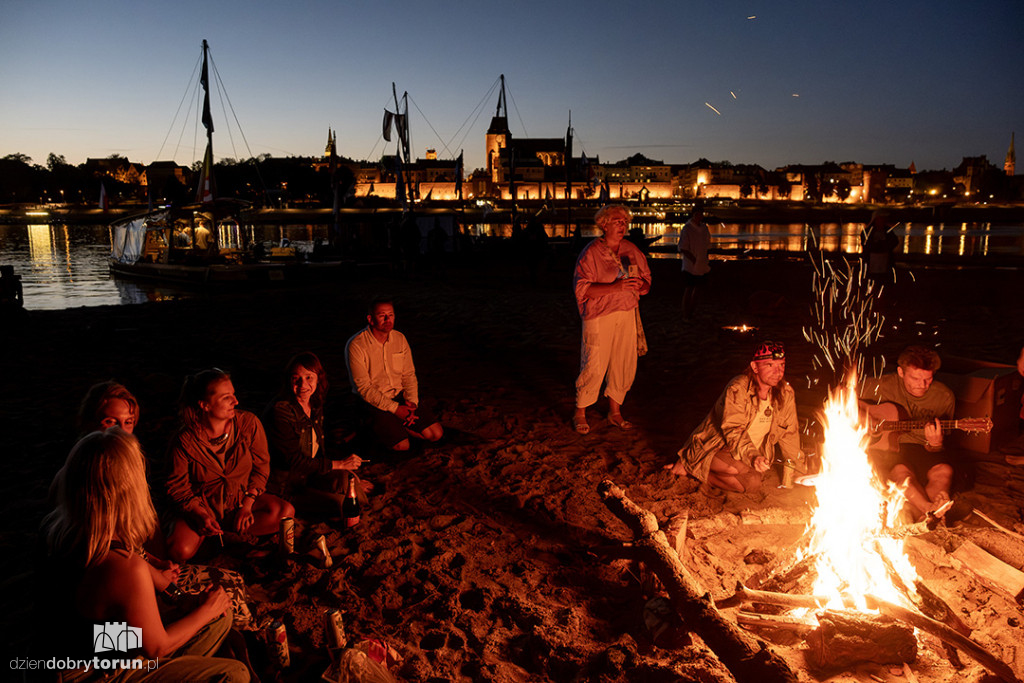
(914,459)
(735,444)
(382,373)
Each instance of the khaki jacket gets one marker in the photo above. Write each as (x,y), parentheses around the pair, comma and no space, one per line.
(726,427)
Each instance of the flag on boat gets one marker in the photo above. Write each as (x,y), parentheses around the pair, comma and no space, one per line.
(402,127)
(204,79)
(458,176)
(388,118)
(205,191)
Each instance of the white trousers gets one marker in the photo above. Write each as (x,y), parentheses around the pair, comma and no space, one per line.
(608,351)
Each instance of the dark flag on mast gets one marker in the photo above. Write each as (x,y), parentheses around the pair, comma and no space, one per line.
(204,79)
(204,193)
(458,176)
(388,118)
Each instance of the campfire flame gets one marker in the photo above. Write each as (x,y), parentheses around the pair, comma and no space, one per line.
(854,507)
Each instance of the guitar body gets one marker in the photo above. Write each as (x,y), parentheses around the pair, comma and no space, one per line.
(880,415)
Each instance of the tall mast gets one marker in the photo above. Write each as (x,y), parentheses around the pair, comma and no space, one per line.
(568,173)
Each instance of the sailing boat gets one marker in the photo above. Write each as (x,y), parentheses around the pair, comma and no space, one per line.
(201,242)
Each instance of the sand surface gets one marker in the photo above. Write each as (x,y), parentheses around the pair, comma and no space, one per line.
(486,557)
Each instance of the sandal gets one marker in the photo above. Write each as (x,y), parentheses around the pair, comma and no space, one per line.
(620,422)
(580,425)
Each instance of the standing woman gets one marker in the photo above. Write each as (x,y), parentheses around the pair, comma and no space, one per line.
(303,469)
(94,572)
(219,468)
(611,276)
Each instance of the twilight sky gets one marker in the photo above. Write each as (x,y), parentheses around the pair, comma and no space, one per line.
(796,81)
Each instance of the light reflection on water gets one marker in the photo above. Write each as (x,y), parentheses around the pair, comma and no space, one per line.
(65,266)
(960,239)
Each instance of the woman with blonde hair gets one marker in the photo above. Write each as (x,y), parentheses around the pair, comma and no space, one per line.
(94,565)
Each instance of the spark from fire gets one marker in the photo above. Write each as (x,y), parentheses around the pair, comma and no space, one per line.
(845,321)
(713,109)
(847,532)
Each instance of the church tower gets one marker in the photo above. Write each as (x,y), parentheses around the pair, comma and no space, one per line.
(1010,164)
(498,137)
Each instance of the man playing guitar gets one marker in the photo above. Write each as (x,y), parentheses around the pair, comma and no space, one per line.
(916,460)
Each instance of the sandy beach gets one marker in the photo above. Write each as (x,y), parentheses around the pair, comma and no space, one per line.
(480,559)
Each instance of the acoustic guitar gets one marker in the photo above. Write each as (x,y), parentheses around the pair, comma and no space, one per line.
(886,421)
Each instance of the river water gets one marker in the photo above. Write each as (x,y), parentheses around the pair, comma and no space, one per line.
(65,266)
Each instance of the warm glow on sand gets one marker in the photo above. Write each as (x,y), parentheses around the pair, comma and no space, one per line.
(846,530)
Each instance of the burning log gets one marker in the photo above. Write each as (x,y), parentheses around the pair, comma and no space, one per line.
(946,635)
(844,639)
(748,659)
(919,621)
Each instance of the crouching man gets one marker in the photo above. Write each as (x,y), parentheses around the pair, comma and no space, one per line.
(735,444)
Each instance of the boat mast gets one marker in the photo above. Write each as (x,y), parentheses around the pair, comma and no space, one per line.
(402,124)
(568,174)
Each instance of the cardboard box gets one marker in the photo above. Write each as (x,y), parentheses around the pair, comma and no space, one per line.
(983,389)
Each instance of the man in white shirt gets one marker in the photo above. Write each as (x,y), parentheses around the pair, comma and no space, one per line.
(694,241)
(382,374)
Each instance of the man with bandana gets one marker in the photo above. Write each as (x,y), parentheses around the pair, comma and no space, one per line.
(735,444)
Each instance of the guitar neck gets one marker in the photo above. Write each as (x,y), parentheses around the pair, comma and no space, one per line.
(908,425)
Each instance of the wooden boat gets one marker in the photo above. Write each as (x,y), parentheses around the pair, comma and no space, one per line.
(204,243)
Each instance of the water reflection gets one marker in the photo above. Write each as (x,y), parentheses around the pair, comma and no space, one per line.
(64,266)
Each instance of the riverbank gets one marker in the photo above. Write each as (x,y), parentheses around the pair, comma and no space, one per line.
(480,558)
(732,211)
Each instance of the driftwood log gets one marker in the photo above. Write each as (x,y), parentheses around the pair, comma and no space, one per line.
(845,639)
(747,658)
(915,619)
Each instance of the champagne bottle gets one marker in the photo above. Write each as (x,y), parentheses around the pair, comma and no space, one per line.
(350,508)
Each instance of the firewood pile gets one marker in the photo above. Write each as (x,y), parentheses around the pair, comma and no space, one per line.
(775,610)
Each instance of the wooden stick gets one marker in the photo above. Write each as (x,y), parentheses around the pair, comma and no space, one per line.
(1001,528)
(747,658)
(773,621)
(946,635)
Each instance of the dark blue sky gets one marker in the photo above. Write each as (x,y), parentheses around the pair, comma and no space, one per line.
(792,82)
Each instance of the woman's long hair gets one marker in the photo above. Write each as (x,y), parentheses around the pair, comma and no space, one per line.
(195,389)
(308,360)
(102,496)
(98,396)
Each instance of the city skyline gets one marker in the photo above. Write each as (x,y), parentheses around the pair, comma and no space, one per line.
(750,82)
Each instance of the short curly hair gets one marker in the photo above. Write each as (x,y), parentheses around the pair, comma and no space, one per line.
(603,214)
(920,357)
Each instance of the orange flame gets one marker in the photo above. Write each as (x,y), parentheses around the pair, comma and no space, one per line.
(853,509)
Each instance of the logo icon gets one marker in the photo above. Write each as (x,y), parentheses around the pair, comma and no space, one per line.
(116,636)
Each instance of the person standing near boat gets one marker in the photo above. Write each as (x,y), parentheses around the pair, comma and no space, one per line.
(694,241)
(611,275)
